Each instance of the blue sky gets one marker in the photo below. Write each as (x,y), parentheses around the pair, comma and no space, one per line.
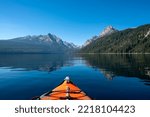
(72,20)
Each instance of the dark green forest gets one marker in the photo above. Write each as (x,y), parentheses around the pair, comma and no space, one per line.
(132,40)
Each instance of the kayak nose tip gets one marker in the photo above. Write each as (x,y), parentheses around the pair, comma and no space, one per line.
(67,79)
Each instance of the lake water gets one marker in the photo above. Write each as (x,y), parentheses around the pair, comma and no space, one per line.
(23,76)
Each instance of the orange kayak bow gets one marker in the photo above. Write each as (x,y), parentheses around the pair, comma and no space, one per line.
(65,91)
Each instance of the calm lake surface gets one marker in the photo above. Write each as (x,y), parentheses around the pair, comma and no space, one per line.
(23,76)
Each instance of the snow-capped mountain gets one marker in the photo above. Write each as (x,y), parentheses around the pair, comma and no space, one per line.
(107,31)
(44,39)
(37,44)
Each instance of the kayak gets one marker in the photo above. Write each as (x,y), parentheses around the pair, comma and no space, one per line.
(67,90)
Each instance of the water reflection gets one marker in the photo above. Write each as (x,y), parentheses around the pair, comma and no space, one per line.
(128,75)
(112,65)
(40,62)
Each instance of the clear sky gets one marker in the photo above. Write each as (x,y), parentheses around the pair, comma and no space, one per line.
(72,20)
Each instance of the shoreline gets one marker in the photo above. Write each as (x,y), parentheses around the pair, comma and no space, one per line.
(113,53)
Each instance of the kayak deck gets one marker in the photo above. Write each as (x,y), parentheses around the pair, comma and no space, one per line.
(65,91)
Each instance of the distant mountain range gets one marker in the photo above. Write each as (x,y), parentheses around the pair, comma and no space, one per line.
(132,40)
(36,44)
(110,40)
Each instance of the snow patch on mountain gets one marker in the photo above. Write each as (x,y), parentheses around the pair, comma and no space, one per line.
(148,33)
(45,39)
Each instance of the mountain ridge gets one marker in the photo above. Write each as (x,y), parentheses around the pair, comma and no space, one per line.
(131,40)
(36,44)
(106,32)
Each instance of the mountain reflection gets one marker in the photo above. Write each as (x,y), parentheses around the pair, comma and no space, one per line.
(20,75)
(112,65)
(41,62)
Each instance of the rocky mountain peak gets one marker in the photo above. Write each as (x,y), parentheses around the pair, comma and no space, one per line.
(107,31)
(50,40)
